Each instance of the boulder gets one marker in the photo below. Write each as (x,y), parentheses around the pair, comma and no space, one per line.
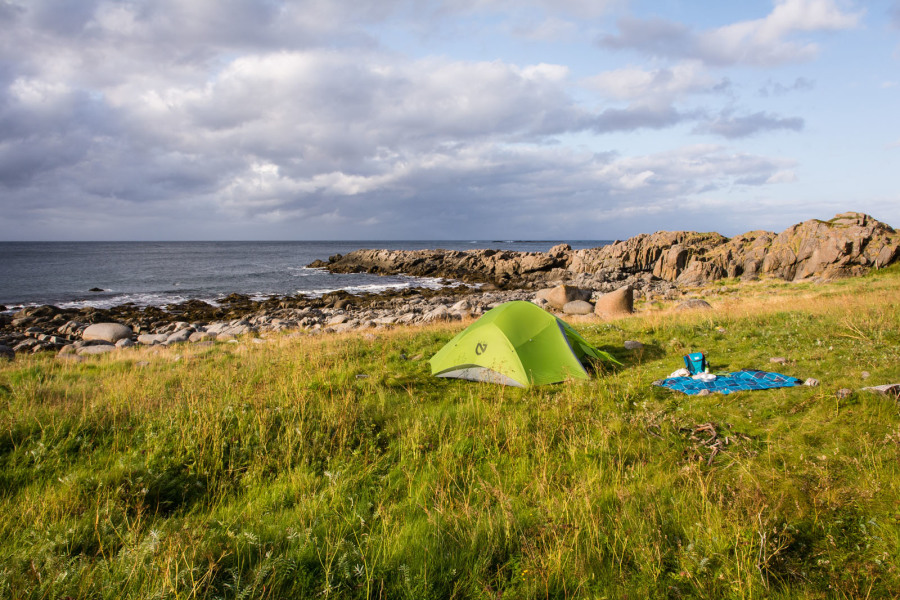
(439,313)
(150,339)
(616,303)
(561,295)
(97,349)
(179,337)
(694,304)
(7,353)
(106,332)
(578,307)
(889,389)
(202,336)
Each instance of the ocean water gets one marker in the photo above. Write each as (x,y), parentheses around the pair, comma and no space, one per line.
(160,273)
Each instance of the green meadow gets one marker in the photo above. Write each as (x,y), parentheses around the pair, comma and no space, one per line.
(335,466)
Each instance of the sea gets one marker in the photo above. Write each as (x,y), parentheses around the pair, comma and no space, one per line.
(161,273)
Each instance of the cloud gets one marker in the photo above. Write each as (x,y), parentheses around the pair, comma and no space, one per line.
(739,127)
(774,88)
(637,116)
(549,29)
(663,84)
(761,42)
(579,8)
(274,119)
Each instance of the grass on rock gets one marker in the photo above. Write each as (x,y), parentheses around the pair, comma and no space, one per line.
(337,467)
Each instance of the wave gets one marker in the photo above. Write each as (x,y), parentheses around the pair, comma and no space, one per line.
(374,288)
(145,299)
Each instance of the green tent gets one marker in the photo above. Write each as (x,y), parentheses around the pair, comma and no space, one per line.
(517,343)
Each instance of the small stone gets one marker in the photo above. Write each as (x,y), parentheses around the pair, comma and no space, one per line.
(843,393)
(702,393)
(866,374)
(362,376)
(633,345)
(778,360)
(96,289)
(721,330)
(125,343)
(811,382)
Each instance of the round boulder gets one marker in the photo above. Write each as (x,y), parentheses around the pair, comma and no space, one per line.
(92,350)
(106,332)
(578,307)
(694,304)
(619,302)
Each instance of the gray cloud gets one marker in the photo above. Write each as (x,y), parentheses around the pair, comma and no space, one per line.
(738,127)
(762,42)
(774,88)
(263,119)
(637,117)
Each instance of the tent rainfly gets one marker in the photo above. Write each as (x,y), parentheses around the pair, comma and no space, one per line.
(518,344)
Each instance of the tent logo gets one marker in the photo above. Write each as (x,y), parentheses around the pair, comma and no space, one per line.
(480,348)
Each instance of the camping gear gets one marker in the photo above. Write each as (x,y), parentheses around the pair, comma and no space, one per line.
(730,382)
(518,344)
(695,363)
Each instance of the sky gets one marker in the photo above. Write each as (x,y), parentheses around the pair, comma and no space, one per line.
(443,119)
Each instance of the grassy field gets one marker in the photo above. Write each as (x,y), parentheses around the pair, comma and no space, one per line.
(337,467)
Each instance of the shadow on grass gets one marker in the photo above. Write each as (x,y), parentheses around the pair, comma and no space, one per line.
(631,358)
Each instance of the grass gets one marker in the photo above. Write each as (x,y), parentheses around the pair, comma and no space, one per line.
(335,467)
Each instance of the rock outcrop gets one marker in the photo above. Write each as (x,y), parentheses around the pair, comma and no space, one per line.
(847,245)
(612,304)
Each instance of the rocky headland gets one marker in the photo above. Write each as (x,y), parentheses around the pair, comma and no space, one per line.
(602,281)
(849,244)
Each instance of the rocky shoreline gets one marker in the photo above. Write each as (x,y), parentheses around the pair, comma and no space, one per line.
(602,281)
(848,245)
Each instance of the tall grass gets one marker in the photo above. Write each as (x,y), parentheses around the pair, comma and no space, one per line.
(338,467)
